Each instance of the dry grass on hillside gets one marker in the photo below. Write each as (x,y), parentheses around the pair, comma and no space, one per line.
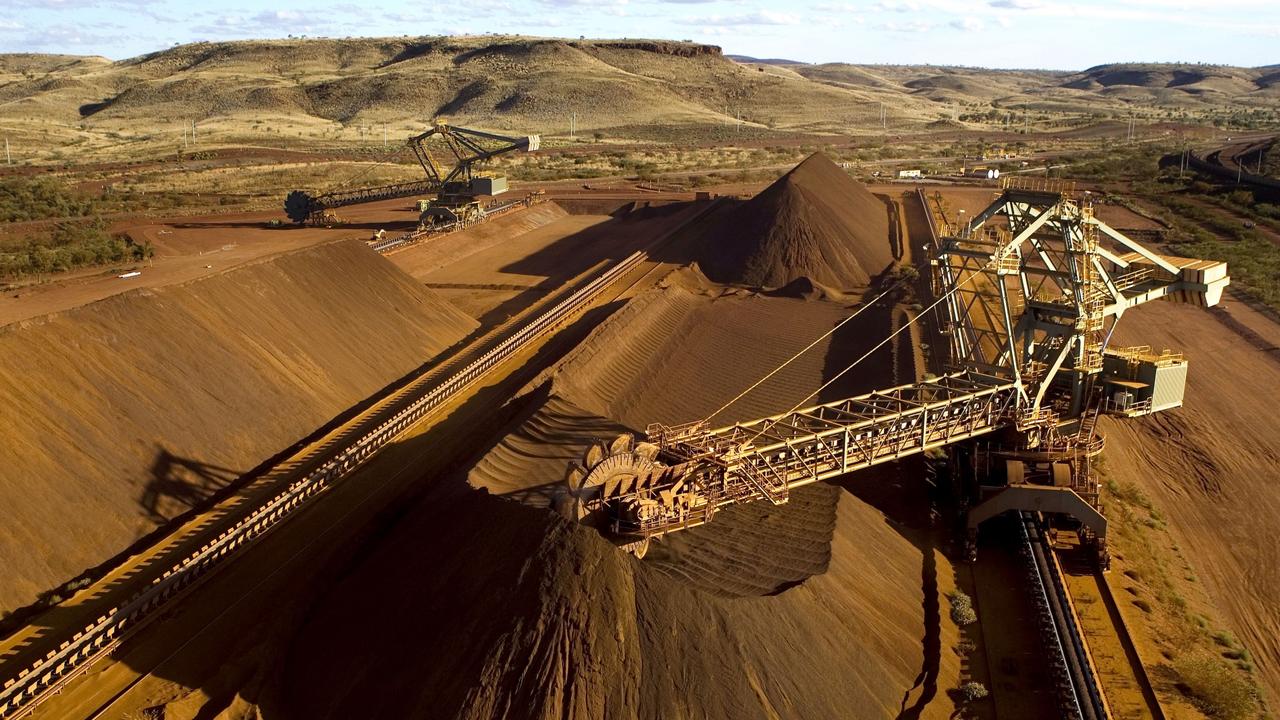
(287,93)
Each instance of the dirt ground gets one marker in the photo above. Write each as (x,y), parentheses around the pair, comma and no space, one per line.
(1208,466)
(190,248)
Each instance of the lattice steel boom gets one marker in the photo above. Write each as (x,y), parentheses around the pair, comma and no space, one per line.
(467,147)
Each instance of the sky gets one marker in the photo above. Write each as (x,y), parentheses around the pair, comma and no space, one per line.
(1052,34)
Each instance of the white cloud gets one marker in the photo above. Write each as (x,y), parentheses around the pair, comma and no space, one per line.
(897,6)
(912,26)
(759,17)
(57,38)
(969,24)
(591,3)
(282,19)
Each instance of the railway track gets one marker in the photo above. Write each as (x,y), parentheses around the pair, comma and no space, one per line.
(1079,692)
(1225,164)
(74,655)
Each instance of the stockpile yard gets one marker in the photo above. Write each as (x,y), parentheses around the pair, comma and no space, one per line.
(761,389)
(543,615)
(578,531)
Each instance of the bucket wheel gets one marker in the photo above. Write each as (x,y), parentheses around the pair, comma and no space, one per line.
(299,206)
(608,481)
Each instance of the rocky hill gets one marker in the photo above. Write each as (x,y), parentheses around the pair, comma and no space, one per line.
(520,82)
(493,81)
(1168,86)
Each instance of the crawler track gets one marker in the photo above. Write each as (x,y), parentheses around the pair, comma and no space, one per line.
(1079,692)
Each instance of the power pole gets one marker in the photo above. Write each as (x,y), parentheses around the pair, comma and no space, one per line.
(573,125)
(384,136)
(193,132)
(8,159)
(884,125)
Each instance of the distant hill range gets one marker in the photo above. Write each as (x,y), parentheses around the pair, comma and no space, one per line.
(747,59)
(518,83)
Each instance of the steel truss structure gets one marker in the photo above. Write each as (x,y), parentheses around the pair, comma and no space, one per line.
(468,148)
(1032,287)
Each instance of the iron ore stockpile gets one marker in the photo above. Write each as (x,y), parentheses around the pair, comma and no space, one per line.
(814,222)
(810,609)
(466,595)
(147,403)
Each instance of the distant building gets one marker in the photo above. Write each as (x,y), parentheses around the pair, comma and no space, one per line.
(902,174)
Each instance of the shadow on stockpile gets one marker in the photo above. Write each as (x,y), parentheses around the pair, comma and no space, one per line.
(176,487)
(897,489)
(628,231)
(179,484)
(437,571)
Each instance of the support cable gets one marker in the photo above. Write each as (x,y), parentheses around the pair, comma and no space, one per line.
(807,348)
(764,427)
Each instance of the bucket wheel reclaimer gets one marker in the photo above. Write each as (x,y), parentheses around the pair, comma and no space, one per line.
(611,474)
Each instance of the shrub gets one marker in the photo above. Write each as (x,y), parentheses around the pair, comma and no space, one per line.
(1241,197)
(71,245)
(962,612)
(1218,689)
(973,691)
(26,199)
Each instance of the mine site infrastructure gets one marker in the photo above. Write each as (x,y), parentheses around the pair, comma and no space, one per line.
(1031,290)
(1030,305)
(1239,163)
(455,189)
(416,400)
(1028,292)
